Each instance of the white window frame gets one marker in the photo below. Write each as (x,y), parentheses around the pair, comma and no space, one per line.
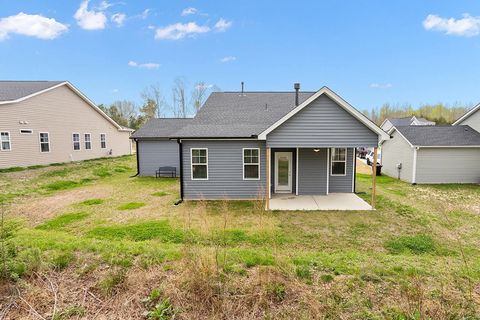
(243,163)
(332,153)
(79,142)
(40,141)
(202,164)
(31,131)
(104,140)
(9,141)
(89,140)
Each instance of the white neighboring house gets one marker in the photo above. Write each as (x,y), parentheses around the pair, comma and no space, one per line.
(44,122)
(432,154)
(471,118)
(387,124)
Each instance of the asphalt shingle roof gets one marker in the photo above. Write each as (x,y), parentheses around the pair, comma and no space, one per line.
(406,121)
(233,114)
(440,135)
(161,127)
(13,90)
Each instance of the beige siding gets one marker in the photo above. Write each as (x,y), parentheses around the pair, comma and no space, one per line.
(448,165)
(473,121)
(395,151)
(60,112)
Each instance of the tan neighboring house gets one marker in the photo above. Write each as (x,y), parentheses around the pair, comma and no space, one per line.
(45,122)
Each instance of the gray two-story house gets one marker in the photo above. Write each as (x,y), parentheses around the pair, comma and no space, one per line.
(250,145)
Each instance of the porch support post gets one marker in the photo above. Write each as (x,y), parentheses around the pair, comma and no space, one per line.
(374,177)
(267,170)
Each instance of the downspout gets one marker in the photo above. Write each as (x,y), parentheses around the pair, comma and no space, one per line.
(138,161)
(414,173)
(180,153)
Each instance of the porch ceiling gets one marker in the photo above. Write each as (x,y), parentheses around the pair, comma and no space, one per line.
(332,201)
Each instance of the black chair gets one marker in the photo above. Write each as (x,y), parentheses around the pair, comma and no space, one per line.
(166,172)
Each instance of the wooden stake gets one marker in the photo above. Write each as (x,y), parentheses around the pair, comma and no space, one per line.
(267,170)
(374,177)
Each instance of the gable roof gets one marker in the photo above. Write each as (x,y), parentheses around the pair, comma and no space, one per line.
(11,91)
(161,127)
(467,115)
(406,121)
(439,136)
(16,91)
(240,115)
(337,99)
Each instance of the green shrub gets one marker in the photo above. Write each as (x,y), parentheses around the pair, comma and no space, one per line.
(62,221)
(131,205)
(417,244)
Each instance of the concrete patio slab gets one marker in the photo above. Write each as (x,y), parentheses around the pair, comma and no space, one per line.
(332,201)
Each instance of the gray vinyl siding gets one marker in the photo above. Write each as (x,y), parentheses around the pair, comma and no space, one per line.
(225,171)
(155,154)
(448,165)
(395,151)
(312,172)
(473,121)
(342,183)
(323,123)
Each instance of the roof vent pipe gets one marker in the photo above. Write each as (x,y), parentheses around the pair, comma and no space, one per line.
(242,87)
(296,86)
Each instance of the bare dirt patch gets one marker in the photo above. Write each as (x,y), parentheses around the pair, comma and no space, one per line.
(36,211)
(363,167)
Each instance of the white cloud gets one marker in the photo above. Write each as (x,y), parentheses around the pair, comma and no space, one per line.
(148,65)
(228,59)
(104,5)
(144,15)
(467,26)
(31,25)
(381,85)
(115,90)
(90,19)
(180,30)
(118,19)
(189,11)
(222,25)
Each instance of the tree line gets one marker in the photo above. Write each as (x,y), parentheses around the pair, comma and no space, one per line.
(184,102)
(442,114)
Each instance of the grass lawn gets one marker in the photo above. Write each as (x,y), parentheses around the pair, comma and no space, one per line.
(86,240)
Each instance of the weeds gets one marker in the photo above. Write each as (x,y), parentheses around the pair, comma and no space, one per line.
(112,281)
(417,244)
(91,202)
(131,206)
(63,221)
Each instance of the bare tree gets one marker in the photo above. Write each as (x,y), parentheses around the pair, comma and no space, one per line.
(153,94)
(121,111)
(199,94)
(180,104)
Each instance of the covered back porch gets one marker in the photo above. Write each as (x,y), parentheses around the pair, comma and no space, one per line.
(313,179)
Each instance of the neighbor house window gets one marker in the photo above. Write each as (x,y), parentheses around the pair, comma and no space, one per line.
(76,141)
(88,141)
(103,140)
(44,142)
(199,162)
(339,161)
(251,164)
(5,144)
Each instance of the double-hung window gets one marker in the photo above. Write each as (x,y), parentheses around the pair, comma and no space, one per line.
(103,140)
(76,141)
(199,164)
(251,164)
(338,161)
(5,143)
(44,142)
(88,141)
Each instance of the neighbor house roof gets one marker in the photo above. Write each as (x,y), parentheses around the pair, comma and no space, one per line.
(439,136)
(240,115)
(467,115)
(161,127)
(407,121)
(18,91)
(14,90)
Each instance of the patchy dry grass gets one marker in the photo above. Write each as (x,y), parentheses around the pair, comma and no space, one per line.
(76,255)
